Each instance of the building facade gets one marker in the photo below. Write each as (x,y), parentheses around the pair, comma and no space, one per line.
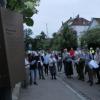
(95,23)
(78,24)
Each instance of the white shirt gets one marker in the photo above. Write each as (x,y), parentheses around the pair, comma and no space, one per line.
(46,59)
(51,61)
(27,64)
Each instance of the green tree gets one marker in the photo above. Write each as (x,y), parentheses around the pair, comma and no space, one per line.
(56,42)
(91,38)
(41,41)
(69,36)
(65,39)
(28,32)
(43,35)
(27,39)
(26,7)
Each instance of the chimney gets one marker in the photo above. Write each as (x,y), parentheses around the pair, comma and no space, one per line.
(70,18)
(78,16)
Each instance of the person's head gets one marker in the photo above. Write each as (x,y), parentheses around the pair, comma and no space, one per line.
(91,48)
(65,50)
(71,48)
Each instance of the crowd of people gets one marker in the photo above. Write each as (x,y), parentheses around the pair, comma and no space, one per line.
(39,64)
(84,61)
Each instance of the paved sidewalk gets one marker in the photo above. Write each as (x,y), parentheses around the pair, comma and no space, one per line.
(49,90)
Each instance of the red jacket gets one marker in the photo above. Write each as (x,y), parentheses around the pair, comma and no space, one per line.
(72,53)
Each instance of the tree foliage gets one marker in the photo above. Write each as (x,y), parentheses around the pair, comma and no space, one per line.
(65,39)
(91,38)
(27,39)
(41,41)
(26,7)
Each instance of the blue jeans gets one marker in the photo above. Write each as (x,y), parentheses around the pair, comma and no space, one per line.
(34,75)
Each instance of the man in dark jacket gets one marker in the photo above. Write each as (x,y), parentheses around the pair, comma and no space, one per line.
(33,68)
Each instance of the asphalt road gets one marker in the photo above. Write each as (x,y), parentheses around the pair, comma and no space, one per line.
(82,87)
(50,90)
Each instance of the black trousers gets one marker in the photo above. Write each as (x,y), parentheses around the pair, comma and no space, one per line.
(53,71)
(90,73)
(40,70)
(59,65)
(80,69)
(46,68)
(64,63)
(98,73)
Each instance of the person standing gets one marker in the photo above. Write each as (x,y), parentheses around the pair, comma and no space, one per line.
(64,56)
(52,67)
(59,63)
(40,67)
(81,65)
(69,67)
(46,63)
(88,70)
(92,52)
(97,59)
(25,83)
(33,68)
(72,53)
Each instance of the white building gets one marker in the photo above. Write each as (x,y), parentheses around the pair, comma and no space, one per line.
(78,24)
(95,23)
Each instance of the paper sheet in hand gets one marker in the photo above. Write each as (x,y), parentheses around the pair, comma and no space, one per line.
(93,64)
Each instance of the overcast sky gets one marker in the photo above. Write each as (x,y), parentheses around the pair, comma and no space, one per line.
(53,12)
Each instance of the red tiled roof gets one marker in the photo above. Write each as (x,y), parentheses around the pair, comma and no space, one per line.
(80,21)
